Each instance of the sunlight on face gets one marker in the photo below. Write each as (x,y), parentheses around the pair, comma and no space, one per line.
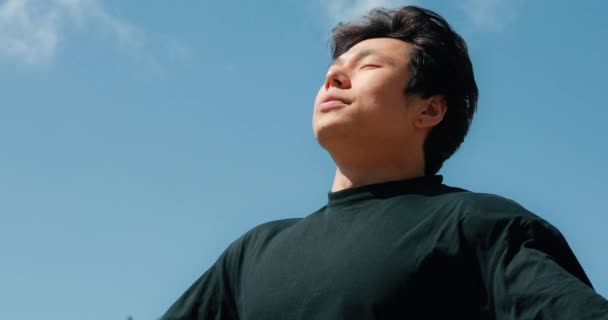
(362,100)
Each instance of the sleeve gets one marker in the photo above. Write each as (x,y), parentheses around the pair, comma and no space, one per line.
(213,295)
(535,275)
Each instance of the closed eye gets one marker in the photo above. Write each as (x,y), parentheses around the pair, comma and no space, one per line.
(370,66)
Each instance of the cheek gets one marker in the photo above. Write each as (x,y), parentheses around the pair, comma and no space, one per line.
(383,100)
(383,111)
(370,95)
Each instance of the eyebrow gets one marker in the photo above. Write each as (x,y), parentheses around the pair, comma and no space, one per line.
(365,53)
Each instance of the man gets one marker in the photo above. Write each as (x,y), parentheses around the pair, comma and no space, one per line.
(393,242)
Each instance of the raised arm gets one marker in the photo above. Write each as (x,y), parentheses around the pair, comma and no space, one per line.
(535,275)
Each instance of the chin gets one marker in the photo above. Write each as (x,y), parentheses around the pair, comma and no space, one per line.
(330,132)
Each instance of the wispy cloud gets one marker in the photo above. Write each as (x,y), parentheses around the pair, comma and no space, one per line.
(481,14)
(26,33)
(31,31)
(491,14)
(347,10)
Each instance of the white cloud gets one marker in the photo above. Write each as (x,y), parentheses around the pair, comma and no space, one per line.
(27,33)
(348,10)
(32,30)
(491,14)
(482,14)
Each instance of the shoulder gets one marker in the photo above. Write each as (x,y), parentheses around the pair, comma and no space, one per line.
(271,228)
(261,234)
(475,205)
(254,240)
(488,217)
(493,224)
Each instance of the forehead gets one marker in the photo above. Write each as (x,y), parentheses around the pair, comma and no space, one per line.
(394,49)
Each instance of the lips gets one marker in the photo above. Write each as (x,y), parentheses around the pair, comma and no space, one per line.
(331,102)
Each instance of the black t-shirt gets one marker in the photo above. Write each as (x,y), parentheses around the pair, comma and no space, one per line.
(413,249)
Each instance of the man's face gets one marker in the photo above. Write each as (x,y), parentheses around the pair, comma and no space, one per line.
(362,101)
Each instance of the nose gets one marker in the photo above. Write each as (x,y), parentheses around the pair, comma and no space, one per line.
(337,78)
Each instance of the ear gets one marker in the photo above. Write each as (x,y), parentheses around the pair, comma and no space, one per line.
(432,112)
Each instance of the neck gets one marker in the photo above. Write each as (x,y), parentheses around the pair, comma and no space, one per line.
(363,164)
(351,176)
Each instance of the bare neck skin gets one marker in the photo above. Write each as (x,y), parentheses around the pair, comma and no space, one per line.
(377,169)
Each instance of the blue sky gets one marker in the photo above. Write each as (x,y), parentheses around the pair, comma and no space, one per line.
(137,141)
